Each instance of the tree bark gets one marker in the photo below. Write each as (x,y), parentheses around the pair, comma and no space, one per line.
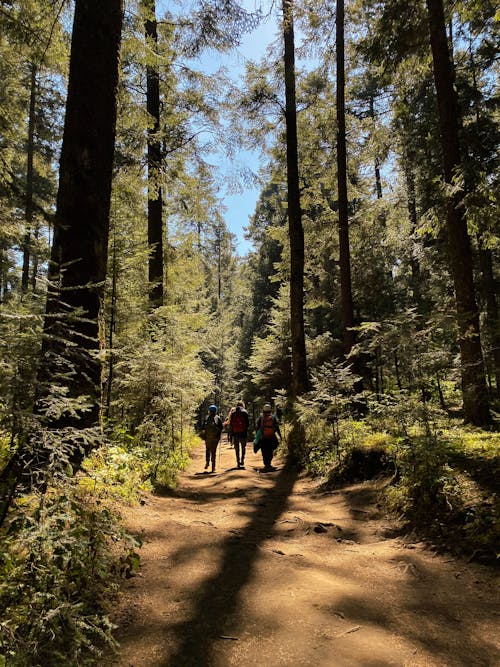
(28,214)
(488,283)
(344,250)
(492,321)
(300,381)
(378,180)
(155,200)
(78,261)
(412,214)
(474,389)
(112,319)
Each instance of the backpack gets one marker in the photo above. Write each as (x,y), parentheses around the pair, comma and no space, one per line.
(267,426)
(211,427)
(238,424)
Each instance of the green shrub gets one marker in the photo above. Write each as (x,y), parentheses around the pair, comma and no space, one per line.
(61,558)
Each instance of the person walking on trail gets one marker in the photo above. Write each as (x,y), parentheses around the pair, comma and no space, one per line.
(266,438)
(227,425)
(239,431)
(212,430)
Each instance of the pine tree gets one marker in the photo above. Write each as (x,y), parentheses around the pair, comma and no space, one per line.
(475,396)
(80,245)
(300,380)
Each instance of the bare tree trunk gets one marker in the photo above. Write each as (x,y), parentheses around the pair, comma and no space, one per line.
(77,267)
(492,321)
(412,214)
(28,214)
(396,368)
(2,273)
(344,250)
(474,390)
(488,283)
(378,180)
(34,261)
(80,244)
(300,381)
(155,200)
(112,316)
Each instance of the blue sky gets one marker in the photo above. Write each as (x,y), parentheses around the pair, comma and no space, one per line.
(239,207)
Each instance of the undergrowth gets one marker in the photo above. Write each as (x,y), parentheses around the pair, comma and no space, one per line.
(64,551)
(62,555)
(443,476)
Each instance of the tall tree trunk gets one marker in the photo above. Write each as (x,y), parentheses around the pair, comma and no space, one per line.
(492,321)
(34,262)
(474,390)
(112,318)
(28,213)
(344,251)
(378,180)
(300,382)
(412,214)
(2,273)
(488,283)
(80,245)
(155,201)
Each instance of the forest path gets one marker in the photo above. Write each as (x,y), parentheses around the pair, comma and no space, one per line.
(245,568)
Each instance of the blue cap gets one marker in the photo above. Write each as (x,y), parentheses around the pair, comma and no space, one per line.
(212,408)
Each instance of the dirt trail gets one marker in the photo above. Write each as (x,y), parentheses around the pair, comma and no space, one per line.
(244,568)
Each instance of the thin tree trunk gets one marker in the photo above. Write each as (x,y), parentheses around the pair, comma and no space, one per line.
(440,393)
(412,214)
(28,213)
(34,262)
(112,316)
(2,273)
(377,377)
(219,263)
(378,180)
(492,321)
(344,250)
(155,200)
(396,368)
(300,382)
(474,390)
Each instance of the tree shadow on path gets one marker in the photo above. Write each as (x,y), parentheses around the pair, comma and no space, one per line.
(216,610)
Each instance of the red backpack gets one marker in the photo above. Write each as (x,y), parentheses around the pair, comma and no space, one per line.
(238,424)
(267,426)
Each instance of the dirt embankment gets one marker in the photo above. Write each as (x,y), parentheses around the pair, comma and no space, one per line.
(243,568)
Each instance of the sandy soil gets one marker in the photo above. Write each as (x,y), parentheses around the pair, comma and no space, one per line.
(246,568)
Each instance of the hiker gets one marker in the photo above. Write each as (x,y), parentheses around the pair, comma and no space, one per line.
(212,430)
(227,425)
(239,432)
(266,438)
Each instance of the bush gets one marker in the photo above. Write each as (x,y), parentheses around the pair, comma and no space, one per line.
(60,562)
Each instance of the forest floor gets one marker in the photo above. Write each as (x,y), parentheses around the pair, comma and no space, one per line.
(248,568)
